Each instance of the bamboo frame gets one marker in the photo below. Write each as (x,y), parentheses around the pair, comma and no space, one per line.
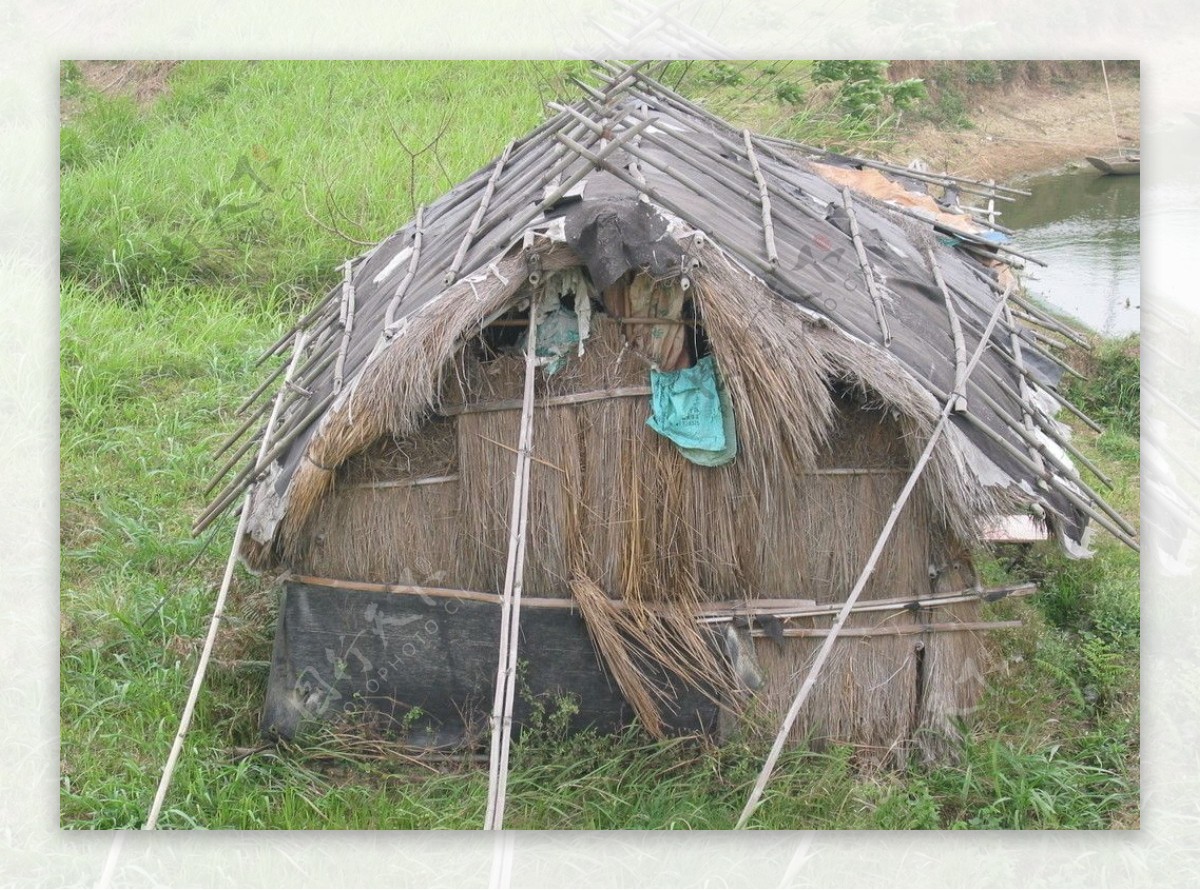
(892,630)
(548,402)
(347,320)
(473,229)
(1026,397)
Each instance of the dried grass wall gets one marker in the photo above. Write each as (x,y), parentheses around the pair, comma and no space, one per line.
(615,503)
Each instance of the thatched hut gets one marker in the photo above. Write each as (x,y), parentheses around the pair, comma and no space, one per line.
(739,352)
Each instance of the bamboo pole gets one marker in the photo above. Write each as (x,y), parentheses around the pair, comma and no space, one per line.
(1048,428)
(1031,440)
(974,186)
(1048,321)
(865,263)
(299,326)
(347,319)
(1026,399)
(549,401)
(252,470)
(961,234)
(402,288)
(510,615)
(229,464)
(669,147)
(1082,505)
(899,603)
(473,229)
(189,708)
(764,200)
(549,201)
(894,630)
(865,575)
(262,387)
(726,163)
(661,199)
(956,333)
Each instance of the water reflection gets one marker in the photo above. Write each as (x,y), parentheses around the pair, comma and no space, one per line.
(1087,227)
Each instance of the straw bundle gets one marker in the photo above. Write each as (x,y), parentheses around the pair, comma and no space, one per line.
(396,391)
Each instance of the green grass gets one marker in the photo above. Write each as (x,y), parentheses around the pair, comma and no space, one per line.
(181,263)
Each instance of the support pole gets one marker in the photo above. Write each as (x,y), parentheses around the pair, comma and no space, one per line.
(185,721)
(510,609)
(827,647)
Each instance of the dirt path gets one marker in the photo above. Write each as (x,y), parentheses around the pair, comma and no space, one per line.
(1026,131)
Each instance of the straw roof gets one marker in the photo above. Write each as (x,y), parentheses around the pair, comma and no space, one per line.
(635,177)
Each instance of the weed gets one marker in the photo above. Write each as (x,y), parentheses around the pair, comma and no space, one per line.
(1112,391)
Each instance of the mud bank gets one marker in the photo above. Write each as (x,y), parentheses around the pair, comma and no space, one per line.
(1026,131)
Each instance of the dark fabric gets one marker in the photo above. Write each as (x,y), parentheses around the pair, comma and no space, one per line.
(338,650)
(616,236)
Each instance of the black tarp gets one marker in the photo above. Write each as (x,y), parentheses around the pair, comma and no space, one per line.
(355,650)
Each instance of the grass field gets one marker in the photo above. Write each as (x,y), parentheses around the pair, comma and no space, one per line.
(193,228)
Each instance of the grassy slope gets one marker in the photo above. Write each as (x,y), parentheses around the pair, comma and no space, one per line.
(186,249)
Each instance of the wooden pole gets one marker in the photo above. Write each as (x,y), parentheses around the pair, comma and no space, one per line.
(510,609)
(827,647)
(185,721)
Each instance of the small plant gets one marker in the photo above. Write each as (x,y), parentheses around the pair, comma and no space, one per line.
(1112,392)
(721,74)
(865,93)
(983,72)
(790,93)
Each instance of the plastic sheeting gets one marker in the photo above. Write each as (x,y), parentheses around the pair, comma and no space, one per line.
(692,409)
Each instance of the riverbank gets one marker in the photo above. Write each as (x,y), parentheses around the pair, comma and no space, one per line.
(1026,130)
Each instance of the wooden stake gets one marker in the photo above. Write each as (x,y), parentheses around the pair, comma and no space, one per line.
(823,654)
(185,721)
(510,610)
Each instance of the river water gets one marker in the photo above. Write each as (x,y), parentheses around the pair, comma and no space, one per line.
(1087,228)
